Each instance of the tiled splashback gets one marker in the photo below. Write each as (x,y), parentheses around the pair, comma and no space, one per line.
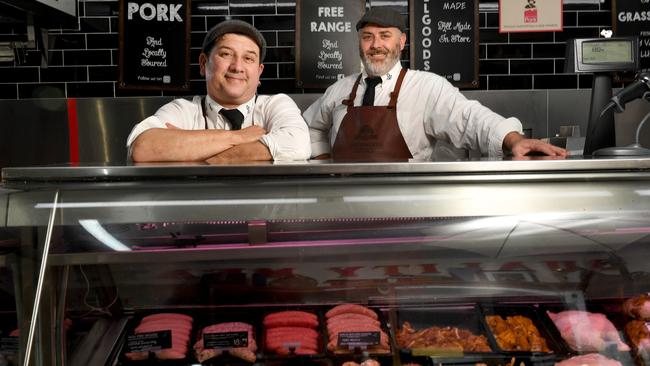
(83,62)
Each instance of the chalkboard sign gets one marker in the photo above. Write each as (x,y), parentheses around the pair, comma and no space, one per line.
(327,45)
(444,39)
(632,18)
(154,44)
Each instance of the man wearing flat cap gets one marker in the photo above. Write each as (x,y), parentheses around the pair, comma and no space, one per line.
(389,113)
(231,123)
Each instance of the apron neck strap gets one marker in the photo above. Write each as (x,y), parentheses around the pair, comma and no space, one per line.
(398,85)
(350,101)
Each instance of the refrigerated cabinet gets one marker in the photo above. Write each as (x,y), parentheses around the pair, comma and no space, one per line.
(420,245)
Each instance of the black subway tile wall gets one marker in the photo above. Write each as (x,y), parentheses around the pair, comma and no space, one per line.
(83,61)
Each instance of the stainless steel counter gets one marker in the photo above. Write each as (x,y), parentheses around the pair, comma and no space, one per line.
(480,169)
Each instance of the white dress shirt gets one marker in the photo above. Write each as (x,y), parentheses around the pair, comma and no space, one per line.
(429,109)
(287,136)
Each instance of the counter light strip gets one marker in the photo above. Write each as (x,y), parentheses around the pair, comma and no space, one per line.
(267,201)
(434,197)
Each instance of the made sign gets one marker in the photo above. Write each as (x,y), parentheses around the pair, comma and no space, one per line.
(444,39)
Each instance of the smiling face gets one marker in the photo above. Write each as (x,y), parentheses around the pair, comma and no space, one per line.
(232,70)
(380,48)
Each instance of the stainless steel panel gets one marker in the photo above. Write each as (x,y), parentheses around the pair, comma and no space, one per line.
(446,169)
(530,106)
(568,108)
(4,203)
(105,123)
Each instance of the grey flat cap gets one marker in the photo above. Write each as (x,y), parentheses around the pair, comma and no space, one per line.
(384,17)
(237,27)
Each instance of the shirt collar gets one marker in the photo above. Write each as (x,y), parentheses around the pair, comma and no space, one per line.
(245,109)
(390,76)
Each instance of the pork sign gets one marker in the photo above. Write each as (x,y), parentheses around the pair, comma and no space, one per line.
(154,44)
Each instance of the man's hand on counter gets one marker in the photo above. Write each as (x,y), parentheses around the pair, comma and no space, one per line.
(520,146)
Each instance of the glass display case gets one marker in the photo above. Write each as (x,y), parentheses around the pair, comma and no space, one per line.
(477,262)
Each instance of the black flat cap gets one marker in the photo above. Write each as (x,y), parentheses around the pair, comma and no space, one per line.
(237,27)
(384,17)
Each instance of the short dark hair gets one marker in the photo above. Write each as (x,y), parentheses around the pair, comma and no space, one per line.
(236,27)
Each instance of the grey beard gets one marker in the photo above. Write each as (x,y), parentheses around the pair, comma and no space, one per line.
(379,69)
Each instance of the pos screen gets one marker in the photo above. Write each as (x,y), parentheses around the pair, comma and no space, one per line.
(599,52)
(603,54)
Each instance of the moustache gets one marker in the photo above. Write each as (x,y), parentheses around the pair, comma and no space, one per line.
(377,51)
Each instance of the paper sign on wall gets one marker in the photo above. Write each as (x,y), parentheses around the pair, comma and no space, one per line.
(530,15)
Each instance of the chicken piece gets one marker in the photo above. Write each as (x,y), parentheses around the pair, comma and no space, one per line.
(638,333)
(638,307)
(517,333)
(587,332)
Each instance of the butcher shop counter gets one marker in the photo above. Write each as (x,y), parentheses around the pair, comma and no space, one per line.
(331,264)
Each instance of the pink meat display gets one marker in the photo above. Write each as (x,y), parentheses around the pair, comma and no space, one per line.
(291,332)
(591,359)
(180,326)
(638,307)
(587,332)
(354,318)
(247,353)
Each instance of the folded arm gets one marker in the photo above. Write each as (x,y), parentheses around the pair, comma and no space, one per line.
(173,144)
(251,151)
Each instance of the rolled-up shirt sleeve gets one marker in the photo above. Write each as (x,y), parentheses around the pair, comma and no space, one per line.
(287,135)
(181,113)
(466,123)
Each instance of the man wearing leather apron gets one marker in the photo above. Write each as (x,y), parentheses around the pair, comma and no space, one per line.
(389,113)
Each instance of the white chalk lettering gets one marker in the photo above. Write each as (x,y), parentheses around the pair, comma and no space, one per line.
(161,12)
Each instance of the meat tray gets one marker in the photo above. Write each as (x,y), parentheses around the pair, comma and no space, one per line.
(292,357)
(151,359)
(359,354)
(611,309)
(455,320)
(540,321)
(228,315)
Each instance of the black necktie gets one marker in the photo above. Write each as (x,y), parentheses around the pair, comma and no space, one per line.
(369,95)
(234,116)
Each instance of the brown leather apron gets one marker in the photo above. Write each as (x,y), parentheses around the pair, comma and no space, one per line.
(370,133)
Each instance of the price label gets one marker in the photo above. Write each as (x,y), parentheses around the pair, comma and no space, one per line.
(9,345)
(225,340)
(358,339)
(153,341)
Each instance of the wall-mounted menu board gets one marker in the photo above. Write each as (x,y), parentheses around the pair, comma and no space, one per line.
(632,18)
(327,46)
(154,44)
(444,39)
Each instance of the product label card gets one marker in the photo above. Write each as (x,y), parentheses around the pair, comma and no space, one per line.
(9,345)
(153,341)
(358,339)
(225,340)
